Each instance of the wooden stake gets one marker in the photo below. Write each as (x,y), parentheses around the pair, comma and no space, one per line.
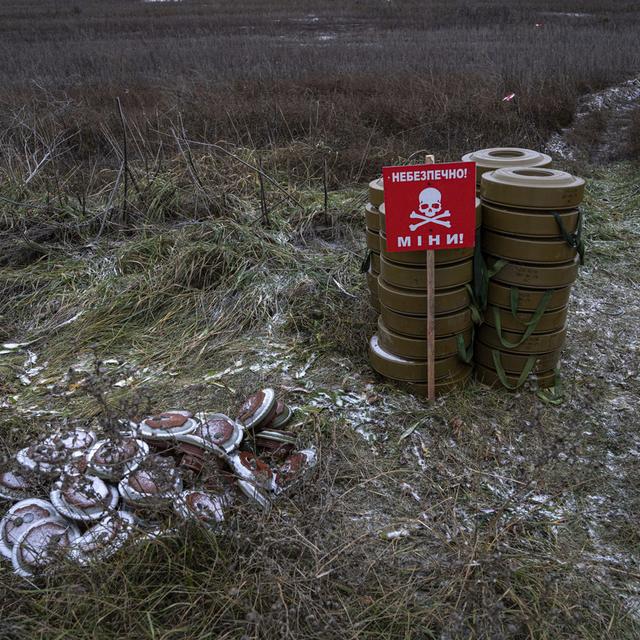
(431,330)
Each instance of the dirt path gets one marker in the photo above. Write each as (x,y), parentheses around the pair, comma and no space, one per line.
(600,131)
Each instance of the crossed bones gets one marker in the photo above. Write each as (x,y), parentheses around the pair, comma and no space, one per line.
(426,219)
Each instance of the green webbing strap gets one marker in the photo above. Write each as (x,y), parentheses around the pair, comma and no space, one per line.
(502,376)
(481,276)
(553,395)
(498,265)
(364,267)
(574,239)
(540,309)
(530,326)
(466,355)
(476,316)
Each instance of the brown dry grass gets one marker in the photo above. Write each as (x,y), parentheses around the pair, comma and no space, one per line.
(370,81)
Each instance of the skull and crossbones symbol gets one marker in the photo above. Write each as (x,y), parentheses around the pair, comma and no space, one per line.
(430,207)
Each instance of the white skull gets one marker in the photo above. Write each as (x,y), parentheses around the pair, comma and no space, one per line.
(430,202)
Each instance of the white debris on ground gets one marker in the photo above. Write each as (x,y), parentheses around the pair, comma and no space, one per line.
(618,100)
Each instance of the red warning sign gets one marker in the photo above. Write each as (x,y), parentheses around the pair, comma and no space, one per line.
(430,206)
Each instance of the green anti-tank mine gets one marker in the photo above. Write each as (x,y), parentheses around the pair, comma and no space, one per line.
(532,188)
(511,340)
(525,300)
(515,363)
(414,278)
(372,217)
(442,386)
(411,370)
(505,157)
(526,250)
(416,348)
(492,378)
(521,320)
(415,302)
(528,223)
(373,241)
(415,325)
(534,276)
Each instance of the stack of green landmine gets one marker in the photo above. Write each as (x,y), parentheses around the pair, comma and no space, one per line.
(532,248)
(398,287)
(372,219)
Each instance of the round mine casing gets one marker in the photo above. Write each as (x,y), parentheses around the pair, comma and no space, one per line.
(415,278)
(416,348)
(372,282)
(552,276)
(500,295)
(532,188)
(549,321)
(527,250)
(373,240)
(527,223)
(409,370)
(505,157)
(514,363)
(372,217)
(416,326)
(376,192)
(441,386)
(375,262)
(490,377)
(536,343)
(415,302)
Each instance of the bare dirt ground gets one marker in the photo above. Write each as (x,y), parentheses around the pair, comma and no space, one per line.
(600,131)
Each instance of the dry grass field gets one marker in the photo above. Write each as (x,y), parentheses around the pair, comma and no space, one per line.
(187,235)
(357,83)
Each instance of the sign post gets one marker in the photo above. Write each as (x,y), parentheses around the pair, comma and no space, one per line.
(430,207)
(431,321)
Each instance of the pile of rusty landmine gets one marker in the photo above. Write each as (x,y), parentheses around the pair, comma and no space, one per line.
(398,291)
(525,262)
(104,491)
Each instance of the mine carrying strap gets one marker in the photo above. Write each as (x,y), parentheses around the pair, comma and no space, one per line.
(575,239)
(502,375)
(530,326)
